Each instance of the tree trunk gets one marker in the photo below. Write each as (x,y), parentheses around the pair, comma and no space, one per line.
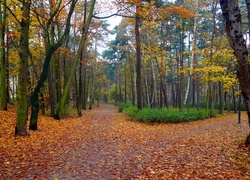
(35,95)
(194,58)
(82,58)
(51,75)
(51,92)
(22,108)
(234,100)
(221,98)
(232,18)
(181,67)
(3,65)
(131,64)
(65,68)
(138,59)
(125,85)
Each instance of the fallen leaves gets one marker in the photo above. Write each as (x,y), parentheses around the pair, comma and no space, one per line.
(103,144)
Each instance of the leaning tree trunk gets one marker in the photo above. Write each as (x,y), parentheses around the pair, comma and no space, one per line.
(72,70)
(232,18)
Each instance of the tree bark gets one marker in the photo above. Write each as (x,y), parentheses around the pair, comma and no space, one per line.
(248,15)
(131,64)
(3,61)
(23,78)
(138,58)
(232,19)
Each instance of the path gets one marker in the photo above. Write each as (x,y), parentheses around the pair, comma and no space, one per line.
(103,144)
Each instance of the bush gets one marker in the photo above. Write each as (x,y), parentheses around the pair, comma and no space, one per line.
(171,115)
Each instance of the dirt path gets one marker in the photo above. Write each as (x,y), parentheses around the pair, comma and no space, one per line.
(103,144)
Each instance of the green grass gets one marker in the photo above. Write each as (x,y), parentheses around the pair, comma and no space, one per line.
(171,115)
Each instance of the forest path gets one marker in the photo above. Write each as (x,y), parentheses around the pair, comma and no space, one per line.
(103,144)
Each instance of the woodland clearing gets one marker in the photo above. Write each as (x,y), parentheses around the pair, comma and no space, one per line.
(105,144)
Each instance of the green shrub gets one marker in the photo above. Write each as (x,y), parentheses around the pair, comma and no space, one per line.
(171,115)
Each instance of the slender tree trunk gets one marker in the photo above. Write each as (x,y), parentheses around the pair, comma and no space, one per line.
(51,74)
(9,100)
(79,98)
(22,108)
(173,84)
(65,69)
(178,84)
(85,94)
(58,92)
(188,86)
(163,72)
(51,93)
(181,67)
(132,79)
(195,63)
(92,89)
(234,100)
(155,102)
(82,58)
(116,82)
(125,84)
(221,98)
(3,60)
(138,58)
(147,91)
(210,96)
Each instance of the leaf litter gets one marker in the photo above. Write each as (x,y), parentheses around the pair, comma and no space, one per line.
(104,144)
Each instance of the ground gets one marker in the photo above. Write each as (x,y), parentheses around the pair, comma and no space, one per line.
(105,144)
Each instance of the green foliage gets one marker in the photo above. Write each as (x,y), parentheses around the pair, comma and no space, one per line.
(112,92)
(68,110)
(172,115)
(123,104)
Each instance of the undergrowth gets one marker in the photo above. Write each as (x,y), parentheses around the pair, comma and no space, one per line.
(170,115)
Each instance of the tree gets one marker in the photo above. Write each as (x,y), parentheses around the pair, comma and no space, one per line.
(83,39)
(138,57)
(49,52)
(3,61)
(22,108)
(232,18)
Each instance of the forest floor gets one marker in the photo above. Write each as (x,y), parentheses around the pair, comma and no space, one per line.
(105,144)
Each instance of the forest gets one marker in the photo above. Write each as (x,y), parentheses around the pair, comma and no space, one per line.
(59,55)
(69,67)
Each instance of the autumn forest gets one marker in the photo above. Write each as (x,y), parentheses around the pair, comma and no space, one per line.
(86,70)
